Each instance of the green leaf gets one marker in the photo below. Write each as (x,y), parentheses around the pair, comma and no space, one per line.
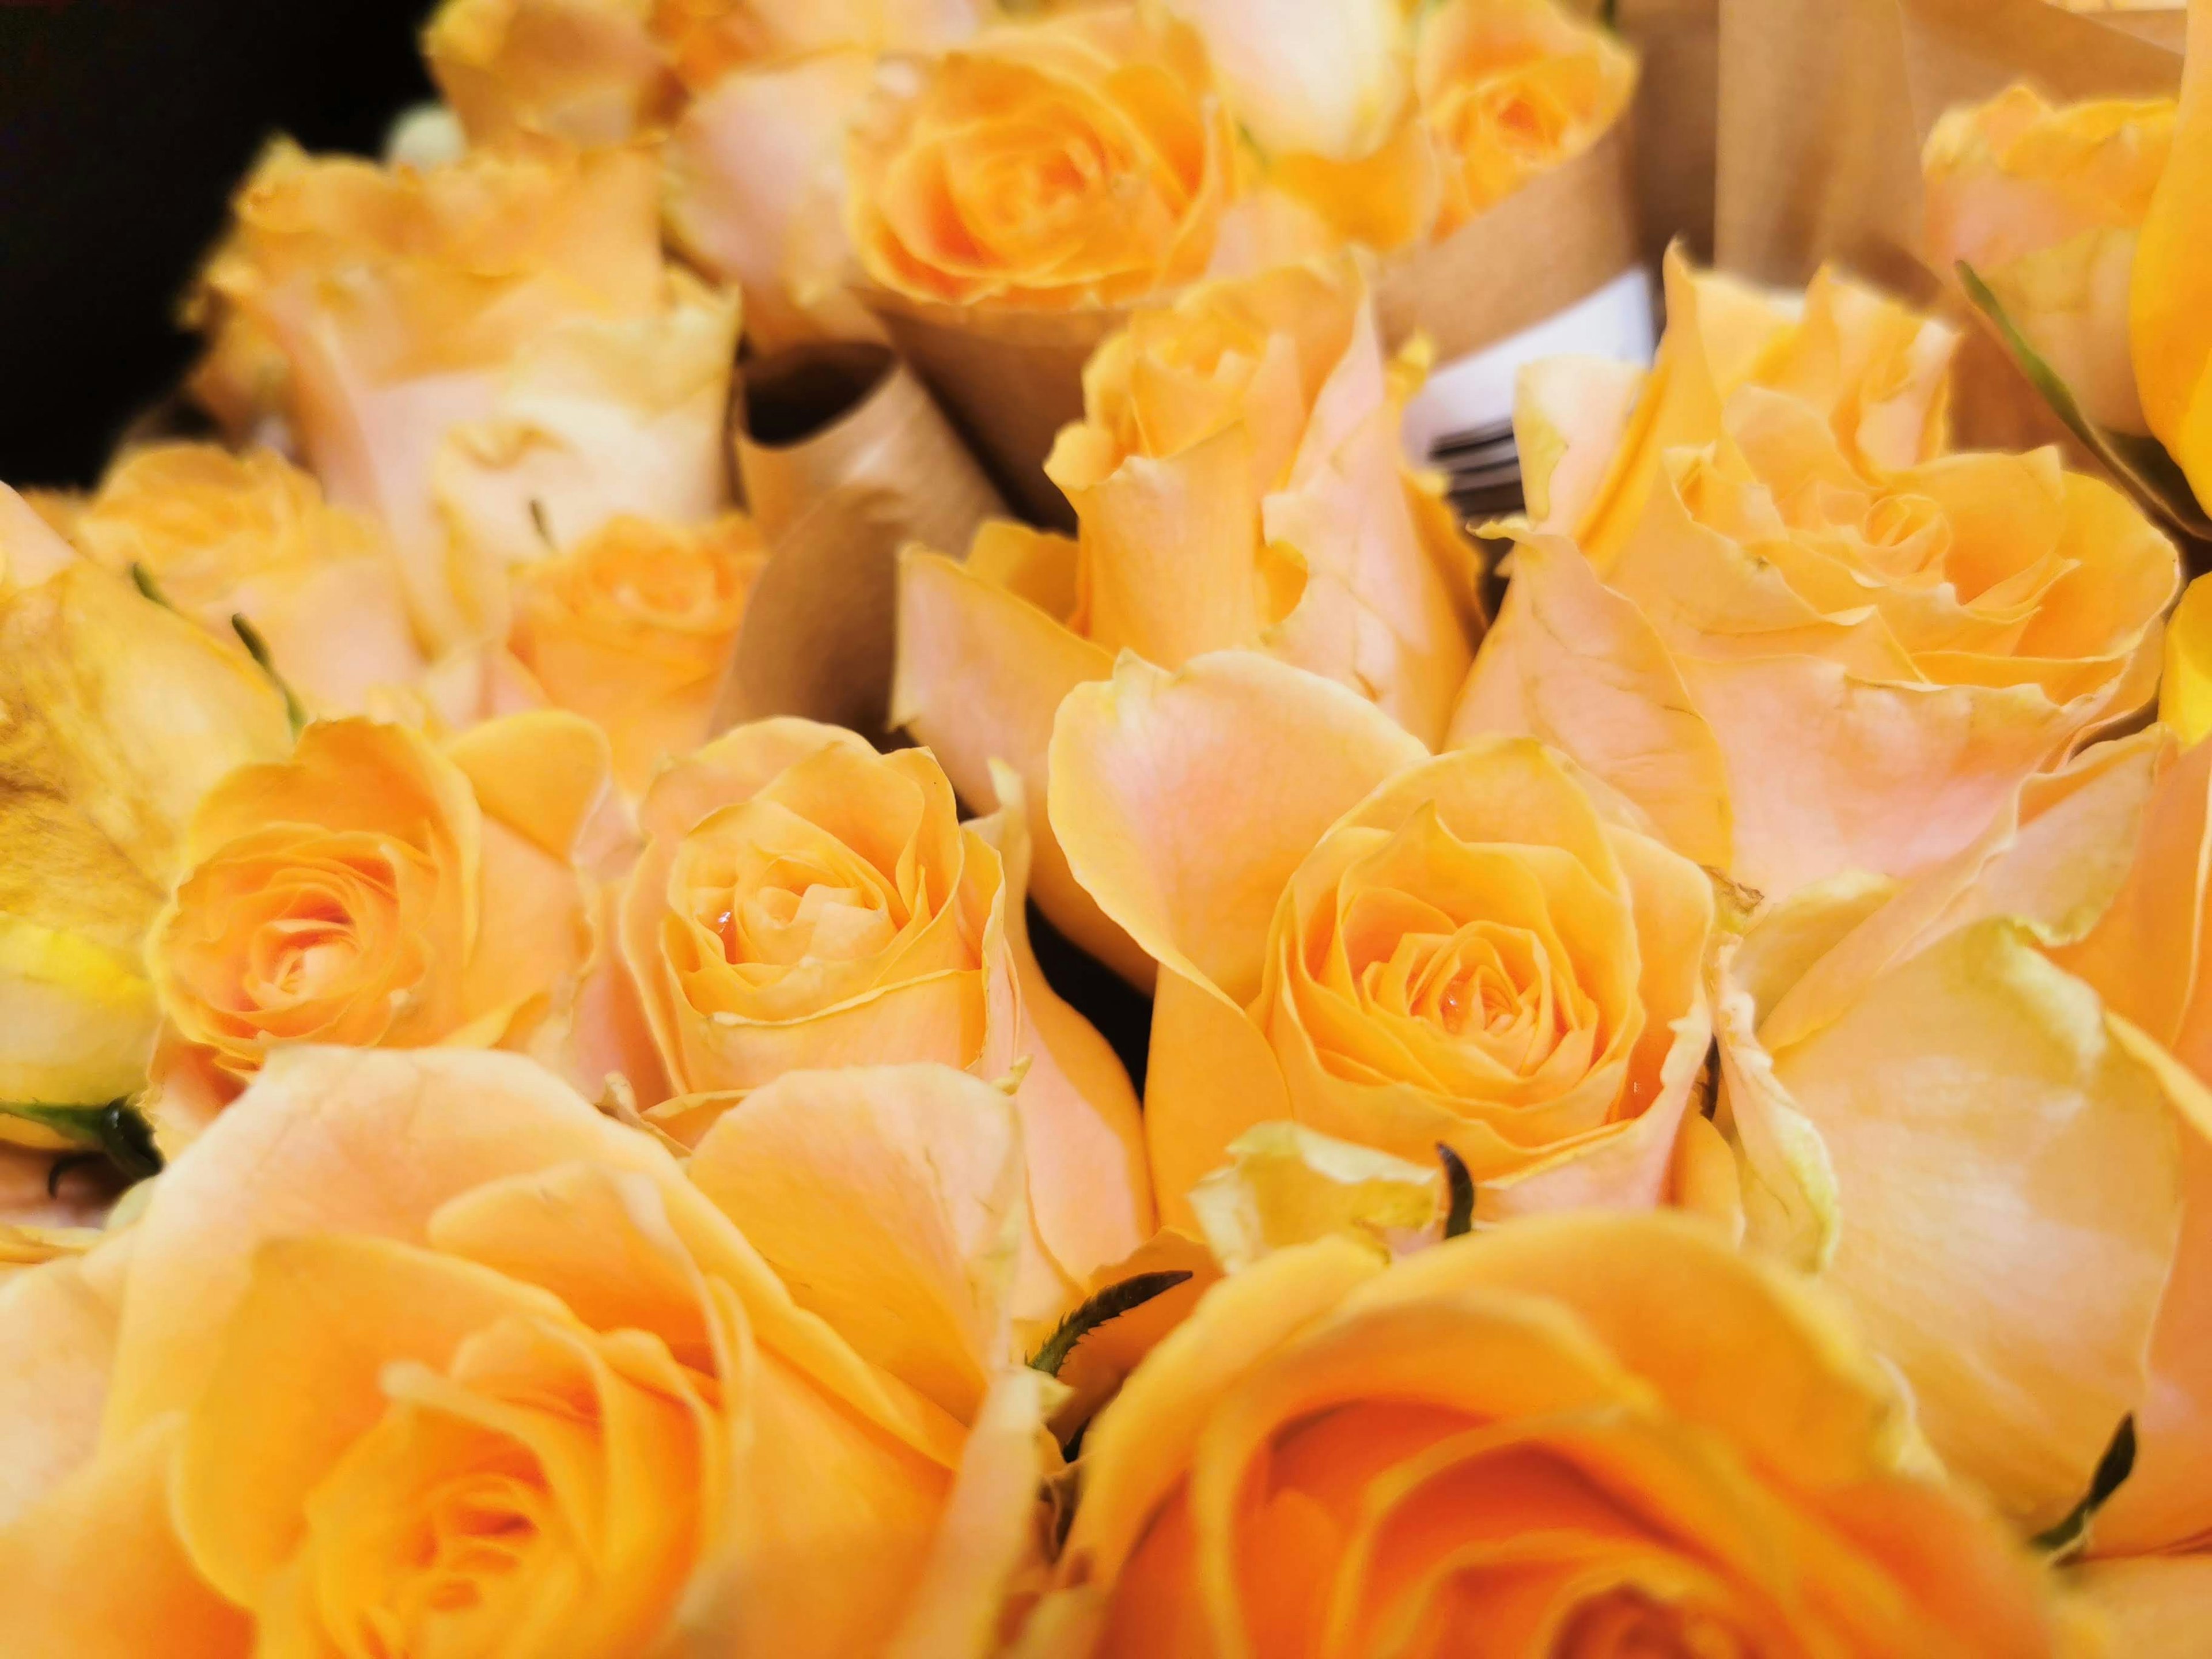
(1459,1187)
(112,1129)
(1109,1304)
(2119,1462)
(2139,464)
(258,648)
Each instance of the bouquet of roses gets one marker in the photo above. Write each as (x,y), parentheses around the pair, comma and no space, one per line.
(863,870)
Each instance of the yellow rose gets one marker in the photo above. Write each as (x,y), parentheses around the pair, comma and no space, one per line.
(2170,299)
(1569,1435)
(376,891)
(1392,949)
(708,38)
(120,716)
(1074,162)
(1594,436)
(1238,481)
(1798,662)
(2003,1042)
(1327,78)
(803,902)
(420,1354)
(2045,202)
(224,535)
(633,629)
(490,355)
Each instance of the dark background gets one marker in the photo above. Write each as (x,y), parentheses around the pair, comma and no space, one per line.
(124,126)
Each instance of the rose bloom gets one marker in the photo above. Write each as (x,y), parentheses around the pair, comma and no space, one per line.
(1799,662)
(2045,202)
(632,628)
(378,889)
(803,901)
(1392,949)
(1396,131)
(1568,1435)
(490,355)
(588,70)
(224,535)
(419,1355)
(1238,481)
(2007,1040)
(1071,161)
(120,716)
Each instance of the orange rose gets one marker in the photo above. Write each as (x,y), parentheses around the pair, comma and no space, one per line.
(419,1353)
(1077,161)
(225,535)
(1393,949)
(1238,481)
(488,355)
(377,890)
(633,629)
(803,902)
(1801,660)
(1569,1435)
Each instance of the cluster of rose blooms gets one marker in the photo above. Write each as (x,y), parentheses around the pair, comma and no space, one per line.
(1676,1118)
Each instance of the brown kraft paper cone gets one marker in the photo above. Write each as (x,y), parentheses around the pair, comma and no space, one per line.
(1824,104)
(1677,106)
(1009,380)
(843,459)
(1557,239)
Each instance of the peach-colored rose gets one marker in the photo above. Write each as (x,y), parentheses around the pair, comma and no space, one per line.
(378,889)
(417,1353)
(1570,1435)
(1238,482)
(2003,1043)
(224,535)
(1799,662)
(1071,161)
(803,901)
(1593,435)
(2045,202)
(491,355)
(120,716)
(1394,129)
(1392,949)
(633,627)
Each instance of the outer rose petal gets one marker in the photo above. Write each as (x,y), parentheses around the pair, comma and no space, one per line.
(2170,306)
(1210,1077)
(362,1141)
(2184,695)
(1573,664)
(889,1199)
(1979,1083)
(56,1343)
(1284,1185)
(1321,79)
(982,672)
(987,1530)
(96,1571)
(1154,774)
(2154,1604)
(755,174)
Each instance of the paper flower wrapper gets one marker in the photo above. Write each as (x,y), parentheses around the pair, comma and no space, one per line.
(844,459)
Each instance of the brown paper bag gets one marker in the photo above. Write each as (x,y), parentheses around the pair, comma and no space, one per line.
(843,459)
(1009,380)
(1557,239)
(1677,107)
(1824,104)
